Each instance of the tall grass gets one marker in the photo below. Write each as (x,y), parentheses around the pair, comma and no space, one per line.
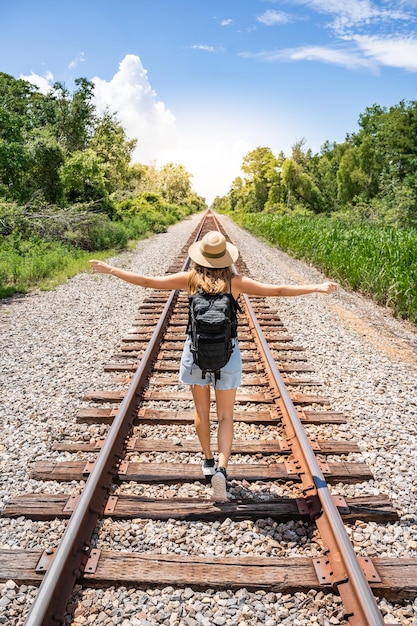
(41,249)
(39,264)
(378,261)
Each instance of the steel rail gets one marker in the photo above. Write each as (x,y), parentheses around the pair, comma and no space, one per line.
(71,555)
(354,588)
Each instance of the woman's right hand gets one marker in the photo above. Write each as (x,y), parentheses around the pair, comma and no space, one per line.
(327,287)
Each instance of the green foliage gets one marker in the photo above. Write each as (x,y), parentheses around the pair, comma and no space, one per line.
(77,226)
(192,204)
(143,178)
(24,263)
(39,242)
(64,171)
(380,262)
(47,156)
(221,204)
(114,151)
(149,213)
(15,108)
(55,146)
(262,176)
(72,118)
(14,163)
(83,177)
(174,183)
(376,167)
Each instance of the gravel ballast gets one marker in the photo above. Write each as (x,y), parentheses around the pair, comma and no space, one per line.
(53,346)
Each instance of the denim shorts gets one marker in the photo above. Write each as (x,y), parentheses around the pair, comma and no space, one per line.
(230,374)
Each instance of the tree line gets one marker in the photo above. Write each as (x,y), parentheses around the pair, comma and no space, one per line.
(370,176)
(62,164)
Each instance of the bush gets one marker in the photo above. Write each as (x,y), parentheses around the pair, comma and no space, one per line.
(24,263)
(39,242)
(148,213)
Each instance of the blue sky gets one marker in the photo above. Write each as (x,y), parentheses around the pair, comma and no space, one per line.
(203,82)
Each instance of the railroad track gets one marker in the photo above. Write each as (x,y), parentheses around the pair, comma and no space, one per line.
(144,392)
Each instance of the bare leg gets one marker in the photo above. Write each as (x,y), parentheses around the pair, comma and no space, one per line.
(201,397)
(225,402)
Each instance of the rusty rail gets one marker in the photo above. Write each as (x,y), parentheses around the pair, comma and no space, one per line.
(72,554)
(348,576)
(70,558)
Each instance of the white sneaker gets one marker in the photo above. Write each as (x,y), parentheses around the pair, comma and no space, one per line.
(209,468)
(218,482)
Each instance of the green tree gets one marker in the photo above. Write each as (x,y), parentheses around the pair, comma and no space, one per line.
(114,150)
(298,155)
(261,169)
(221,203)
(36,134)
(15,159)
(83,177)
(71,117)
(350,178)
(300,187)
(387,140)
(322,168)
(174,183)
(143,178)
(47,156)
(236,194)
(394,134)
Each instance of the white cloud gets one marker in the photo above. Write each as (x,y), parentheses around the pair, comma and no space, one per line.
(228,22)
(350,59)
(271,17)
(43,83)
(80,58)
(206,48)
(345,58)
(130,95)
(390,51)
(371,52)
(370,35)
(213,156)
(356,13)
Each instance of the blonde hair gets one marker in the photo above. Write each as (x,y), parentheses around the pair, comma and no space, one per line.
(210,280)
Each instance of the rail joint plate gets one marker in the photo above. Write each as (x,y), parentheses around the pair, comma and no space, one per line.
(110,506)
(92,562)
(309,506)
(123,468)
(71,504)
(45,560)
(293,468)
(88,468)
(326,576)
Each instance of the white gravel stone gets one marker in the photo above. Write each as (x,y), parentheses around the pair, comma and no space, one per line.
(52,349)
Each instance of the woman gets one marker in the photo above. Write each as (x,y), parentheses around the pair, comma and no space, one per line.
(212,272)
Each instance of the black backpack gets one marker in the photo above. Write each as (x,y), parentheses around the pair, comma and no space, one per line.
(212,324)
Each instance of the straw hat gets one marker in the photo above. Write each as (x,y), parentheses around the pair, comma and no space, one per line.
(213,251)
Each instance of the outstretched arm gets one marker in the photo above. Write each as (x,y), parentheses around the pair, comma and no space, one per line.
(243,284)
(170,281)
